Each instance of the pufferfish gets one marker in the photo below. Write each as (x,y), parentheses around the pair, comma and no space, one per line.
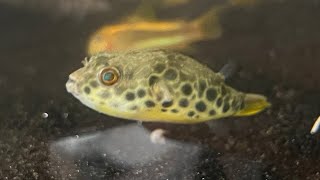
(158,85)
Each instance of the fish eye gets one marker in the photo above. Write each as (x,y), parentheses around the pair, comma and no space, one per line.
(109,75)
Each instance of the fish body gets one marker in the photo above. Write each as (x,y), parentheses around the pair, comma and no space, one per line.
(158,85)
(142,35)
(136,35)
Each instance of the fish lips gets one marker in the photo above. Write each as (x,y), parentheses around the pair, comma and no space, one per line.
(72,87)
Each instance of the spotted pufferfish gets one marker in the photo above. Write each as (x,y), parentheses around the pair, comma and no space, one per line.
(158,85)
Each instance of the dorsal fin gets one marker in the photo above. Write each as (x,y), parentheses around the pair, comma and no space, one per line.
(229,69)
(144,12)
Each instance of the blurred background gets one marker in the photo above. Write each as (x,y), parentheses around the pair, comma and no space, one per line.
(45,133)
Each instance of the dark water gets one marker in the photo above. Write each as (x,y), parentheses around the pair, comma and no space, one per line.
(276,44)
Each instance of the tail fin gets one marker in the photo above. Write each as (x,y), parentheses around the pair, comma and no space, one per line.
(253,104)
(208,24)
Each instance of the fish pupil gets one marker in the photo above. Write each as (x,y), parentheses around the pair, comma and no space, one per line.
(108,76)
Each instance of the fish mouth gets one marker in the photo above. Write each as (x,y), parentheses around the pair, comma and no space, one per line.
(72,88)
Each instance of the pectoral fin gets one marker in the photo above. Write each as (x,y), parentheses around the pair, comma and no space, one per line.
(161,92)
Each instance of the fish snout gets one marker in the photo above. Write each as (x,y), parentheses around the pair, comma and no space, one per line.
(72,86)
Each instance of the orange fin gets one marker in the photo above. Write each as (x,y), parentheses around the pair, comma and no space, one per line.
(209,24)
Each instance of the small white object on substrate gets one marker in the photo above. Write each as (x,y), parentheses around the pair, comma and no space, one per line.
(316,126)
(157,136)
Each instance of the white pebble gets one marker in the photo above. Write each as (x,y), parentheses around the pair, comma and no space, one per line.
(315,127)
(157,136)
(44,115)
(65,115)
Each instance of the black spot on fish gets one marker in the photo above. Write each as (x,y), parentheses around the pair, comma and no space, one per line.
(167,104)
(164,110)
(191,113)
(184,102)
(174,110)
(226,107)
(186,89)
(170,74)
(94,84)
(141,93)
(223,90)
(212,112)
(201,106)
(130,96)
(211,94)
(150,104)
(153,80)
(87,90)
(202,87)
(159,68)
(219,102)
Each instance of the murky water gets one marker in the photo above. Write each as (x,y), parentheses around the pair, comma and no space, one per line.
(276,44)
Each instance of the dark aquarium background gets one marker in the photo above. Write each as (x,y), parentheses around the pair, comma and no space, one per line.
(45,133)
